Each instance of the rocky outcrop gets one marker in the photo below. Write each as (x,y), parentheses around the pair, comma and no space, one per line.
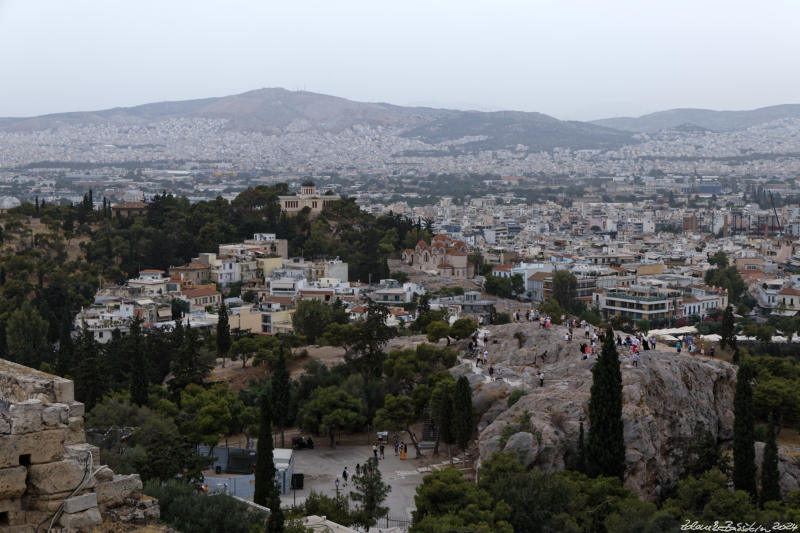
(48,473)
(668,401)
(788,466)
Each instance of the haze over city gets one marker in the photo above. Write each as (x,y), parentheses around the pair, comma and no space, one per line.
(369,267)
(579,60)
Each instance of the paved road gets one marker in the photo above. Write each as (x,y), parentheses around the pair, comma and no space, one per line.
(321,466)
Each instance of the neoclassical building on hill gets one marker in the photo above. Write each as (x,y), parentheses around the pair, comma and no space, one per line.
(308,197)
(443,255)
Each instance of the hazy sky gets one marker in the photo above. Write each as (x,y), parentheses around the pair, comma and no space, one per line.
(571,59)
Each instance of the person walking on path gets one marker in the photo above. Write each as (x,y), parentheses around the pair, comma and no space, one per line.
(711,352)
(345,475)
(375,451)
(635,359)
(382,455)
(402,451)
(540,374)
(358,469)
(491,373)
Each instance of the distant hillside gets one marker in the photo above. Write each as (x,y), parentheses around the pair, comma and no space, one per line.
(701,118)
(509,128)
(277,111)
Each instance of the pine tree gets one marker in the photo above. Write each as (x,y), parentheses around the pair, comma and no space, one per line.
(370,490)
(223,333)
(281,391)
(265,467)
(605,454)
(770,485)
(728,330)
(463,415)
(580,464)
(744,457)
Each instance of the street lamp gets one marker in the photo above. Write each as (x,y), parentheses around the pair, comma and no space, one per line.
(337,487)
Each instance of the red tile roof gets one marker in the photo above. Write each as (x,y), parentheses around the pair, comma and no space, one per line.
(195,293)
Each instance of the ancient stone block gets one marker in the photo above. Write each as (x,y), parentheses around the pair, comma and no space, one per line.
(75,433)
(12,482)
(10,505)
(48,503)
(118,491)
(55,477)
(26,417)
(34,448)
(82,520)
(5,423)
(55,415)
(106,474)
(64,390)
(76,409)
(80,503)
(81,451)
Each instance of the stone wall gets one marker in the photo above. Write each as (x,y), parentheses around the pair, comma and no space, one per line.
(48,473)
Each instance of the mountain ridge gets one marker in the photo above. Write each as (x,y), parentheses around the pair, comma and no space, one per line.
(708,119)
(277,111)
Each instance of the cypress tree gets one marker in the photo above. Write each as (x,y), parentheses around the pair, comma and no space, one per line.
(744,455)
(442,413)
(728,329)
(580,465)
(281,391)
(275,522)
(770,485)
(223,333)
(65,348)
(139,381)
(463,416)
(90,372)
(605,453)
(265,467)
(188,366)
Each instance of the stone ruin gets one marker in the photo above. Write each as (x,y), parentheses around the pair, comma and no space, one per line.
(50,478)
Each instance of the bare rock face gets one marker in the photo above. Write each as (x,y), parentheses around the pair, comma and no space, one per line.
(668,401)
(788,466)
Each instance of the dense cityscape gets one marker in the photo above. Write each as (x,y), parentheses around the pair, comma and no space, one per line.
(232,309)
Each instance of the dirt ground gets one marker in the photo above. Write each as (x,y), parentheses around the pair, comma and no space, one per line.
(239,378)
